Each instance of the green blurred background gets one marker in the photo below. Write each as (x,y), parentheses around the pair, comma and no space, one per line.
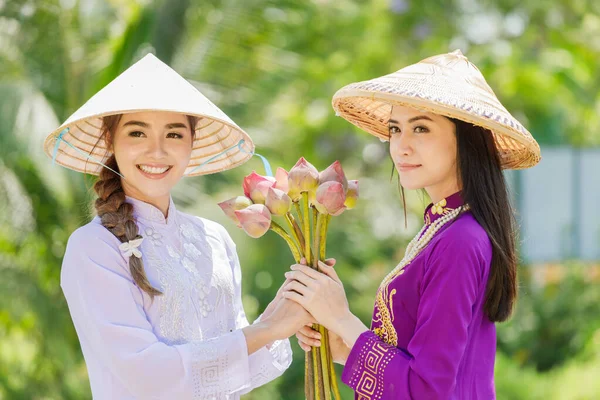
(273,66)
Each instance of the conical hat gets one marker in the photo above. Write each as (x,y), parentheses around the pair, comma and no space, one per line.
(447,85)
(149,85)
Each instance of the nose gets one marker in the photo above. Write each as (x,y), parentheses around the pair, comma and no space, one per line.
(157,149)
(401,144)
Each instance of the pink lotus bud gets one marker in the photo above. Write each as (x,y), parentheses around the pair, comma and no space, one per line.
(255,220)
(303,177)
(278,202)
(236,203)
(351,194)
(256,187)
(334,173)
(281,176)
(330,198)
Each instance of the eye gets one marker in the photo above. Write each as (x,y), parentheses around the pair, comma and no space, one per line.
(175,135)
(136,134)
(393,129)
(421,129)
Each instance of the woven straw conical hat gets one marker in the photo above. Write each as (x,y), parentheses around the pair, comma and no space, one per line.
(149,85)
(448,85)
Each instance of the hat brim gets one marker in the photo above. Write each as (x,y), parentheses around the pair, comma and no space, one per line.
(213,137)
(370,111)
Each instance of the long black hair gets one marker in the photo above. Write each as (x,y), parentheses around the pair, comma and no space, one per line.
(484,189)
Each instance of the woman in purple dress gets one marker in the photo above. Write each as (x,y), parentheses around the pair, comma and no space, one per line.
(432,334)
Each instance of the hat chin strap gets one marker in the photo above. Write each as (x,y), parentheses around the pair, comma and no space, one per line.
(60,139)
(239,145)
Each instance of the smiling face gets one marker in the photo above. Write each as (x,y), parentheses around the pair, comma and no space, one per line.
(152,150)
(423,148)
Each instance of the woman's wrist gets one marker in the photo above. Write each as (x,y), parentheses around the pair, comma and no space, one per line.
(349,327)
(260,334)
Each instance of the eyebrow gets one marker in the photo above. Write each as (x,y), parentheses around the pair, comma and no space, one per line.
(413,119)
(145,125)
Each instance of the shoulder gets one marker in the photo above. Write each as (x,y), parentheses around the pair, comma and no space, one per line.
(92,238)
(209,228)
(463,240)
(92,246)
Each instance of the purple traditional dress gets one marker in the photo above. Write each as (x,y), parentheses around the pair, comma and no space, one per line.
(430,337)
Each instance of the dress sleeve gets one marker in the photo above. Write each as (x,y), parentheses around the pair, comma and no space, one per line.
(107,310)
(427,369)
(270,361)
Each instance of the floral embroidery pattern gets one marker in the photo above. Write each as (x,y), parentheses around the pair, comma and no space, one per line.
(440,208)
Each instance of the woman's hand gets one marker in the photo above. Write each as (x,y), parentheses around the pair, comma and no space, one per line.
(308,337)
(321,294)
(287,318)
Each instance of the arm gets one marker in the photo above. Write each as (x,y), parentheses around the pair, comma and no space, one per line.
(271,358)
(107,310)
(429,366)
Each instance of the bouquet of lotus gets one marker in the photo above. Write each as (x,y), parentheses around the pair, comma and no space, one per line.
(304,200)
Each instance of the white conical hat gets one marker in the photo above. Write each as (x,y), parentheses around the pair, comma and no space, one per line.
(149,85)
(446,84)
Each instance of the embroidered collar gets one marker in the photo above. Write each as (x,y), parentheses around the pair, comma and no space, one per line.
(443,207)
(147,212)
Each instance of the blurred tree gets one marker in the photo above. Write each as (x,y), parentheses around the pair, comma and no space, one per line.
(273,67)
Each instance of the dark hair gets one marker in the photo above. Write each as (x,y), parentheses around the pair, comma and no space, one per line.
(484,190)
(116,214)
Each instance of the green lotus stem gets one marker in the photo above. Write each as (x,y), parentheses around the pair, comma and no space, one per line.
(323,235)
(325,364)
(316,380)
(298,210)
(296,232)
(275,227)
(306,226)
(316,236)
(332,375)
(309,377)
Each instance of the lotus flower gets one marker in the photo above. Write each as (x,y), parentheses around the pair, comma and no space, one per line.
(303,177)
(278,202)
(255,220)
(236,203)
(256,187)
(334,173)
(330,198)
(281,176)
(351,195)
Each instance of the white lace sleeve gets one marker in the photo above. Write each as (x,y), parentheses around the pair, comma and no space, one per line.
(270,361)
(107,310)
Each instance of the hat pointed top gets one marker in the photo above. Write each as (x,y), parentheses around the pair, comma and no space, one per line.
(150,85)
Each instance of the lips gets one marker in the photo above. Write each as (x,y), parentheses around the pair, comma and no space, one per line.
(154,171)
(405,167)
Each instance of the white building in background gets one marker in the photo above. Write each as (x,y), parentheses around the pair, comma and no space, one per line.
(558,202)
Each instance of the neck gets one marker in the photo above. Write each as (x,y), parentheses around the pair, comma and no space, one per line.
(439,192)
(160,202)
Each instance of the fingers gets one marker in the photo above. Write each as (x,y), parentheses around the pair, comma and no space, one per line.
(329,271)
(297,276)
(331,262)
(307,270)
(297,287)
(295,297)
(308,340)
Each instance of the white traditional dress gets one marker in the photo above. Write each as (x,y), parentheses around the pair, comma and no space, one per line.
(187,343)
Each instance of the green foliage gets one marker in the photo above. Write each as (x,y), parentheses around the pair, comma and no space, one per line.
(273,66)
(552,323)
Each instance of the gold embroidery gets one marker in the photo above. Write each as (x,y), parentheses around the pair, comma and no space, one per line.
(439,208)
(383,299)
(374,359)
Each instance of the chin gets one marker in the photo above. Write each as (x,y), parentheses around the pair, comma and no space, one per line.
(411,184)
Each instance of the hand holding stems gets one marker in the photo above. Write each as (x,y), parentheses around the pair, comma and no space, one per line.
(322,295)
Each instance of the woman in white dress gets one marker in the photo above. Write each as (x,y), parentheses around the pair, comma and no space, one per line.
(154,293)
